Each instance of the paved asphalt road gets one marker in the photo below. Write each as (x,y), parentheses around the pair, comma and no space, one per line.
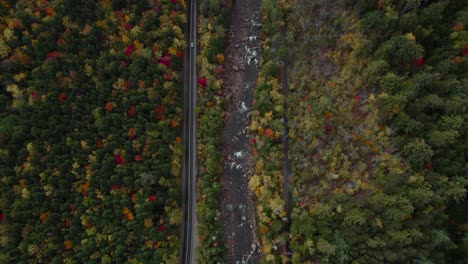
(189,170)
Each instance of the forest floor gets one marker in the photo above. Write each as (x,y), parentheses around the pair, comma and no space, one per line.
(243,53)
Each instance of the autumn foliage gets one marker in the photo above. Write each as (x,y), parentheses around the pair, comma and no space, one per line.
(91,161)
(376,140)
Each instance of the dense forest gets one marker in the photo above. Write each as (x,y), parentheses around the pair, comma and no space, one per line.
(376,110)
(91,103)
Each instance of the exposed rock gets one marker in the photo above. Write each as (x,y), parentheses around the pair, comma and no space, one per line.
(229,207)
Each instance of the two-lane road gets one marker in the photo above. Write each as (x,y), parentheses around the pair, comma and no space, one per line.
(189,139)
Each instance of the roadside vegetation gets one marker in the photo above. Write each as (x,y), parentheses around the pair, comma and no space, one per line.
(212,19)
(90,105)
(377,131)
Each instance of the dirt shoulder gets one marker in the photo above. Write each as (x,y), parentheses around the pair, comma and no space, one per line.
(239,81)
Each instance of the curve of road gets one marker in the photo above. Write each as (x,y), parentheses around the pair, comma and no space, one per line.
(189,168)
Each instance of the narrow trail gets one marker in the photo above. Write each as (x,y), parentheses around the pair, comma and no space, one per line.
(237,212)
(285,140)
